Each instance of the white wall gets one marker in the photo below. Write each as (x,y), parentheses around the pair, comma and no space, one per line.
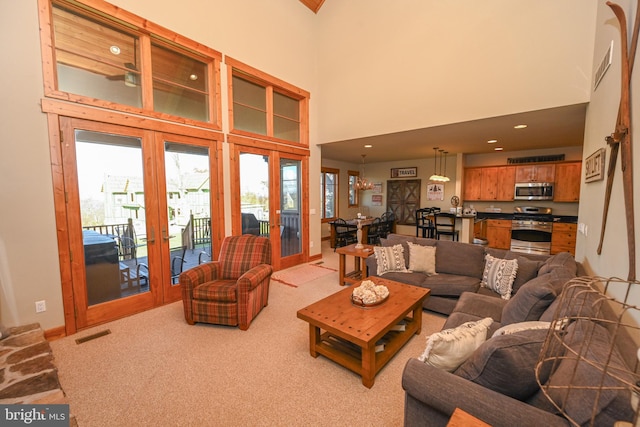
(601,120)
(388,66)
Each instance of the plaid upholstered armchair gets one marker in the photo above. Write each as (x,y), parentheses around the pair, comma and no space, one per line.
(233,289)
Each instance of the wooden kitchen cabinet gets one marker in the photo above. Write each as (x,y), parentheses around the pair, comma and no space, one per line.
(472,183)
(499,233)
(536,173)
(567,182)
(506,182)
(563,238)
(494,183)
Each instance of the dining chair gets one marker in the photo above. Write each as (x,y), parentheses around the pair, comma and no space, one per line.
(345,233)
(374,232)
(424,223)
(445,223)
(178,261)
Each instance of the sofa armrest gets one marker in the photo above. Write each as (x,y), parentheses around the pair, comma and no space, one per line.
(253,277)
(431,396)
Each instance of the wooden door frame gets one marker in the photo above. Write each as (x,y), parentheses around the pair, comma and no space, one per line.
(275,152)
(173,293)
(56,110)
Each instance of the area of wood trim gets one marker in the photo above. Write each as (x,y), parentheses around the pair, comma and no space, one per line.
(314,5)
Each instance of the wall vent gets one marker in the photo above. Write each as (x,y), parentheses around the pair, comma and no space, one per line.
(535,159)
(604,66)
(93,336)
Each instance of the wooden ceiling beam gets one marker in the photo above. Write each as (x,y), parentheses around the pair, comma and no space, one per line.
(314,5)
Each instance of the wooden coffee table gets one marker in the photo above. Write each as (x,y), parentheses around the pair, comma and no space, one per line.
(347,334)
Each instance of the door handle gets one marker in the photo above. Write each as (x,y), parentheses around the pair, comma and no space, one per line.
(165,236)
(153,236)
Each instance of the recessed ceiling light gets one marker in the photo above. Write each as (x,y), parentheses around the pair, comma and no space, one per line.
(193,77)
(115,50)
(368,146)
(520,126)
(492,141)
(498,149)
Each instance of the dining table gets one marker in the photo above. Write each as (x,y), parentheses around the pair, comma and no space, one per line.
(365,222)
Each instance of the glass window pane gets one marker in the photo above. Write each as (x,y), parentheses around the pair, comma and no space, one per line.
(96,60)
(179,84)
(286,129)
(247,93)
(250,120)
(111,190)
(329,195)
(180,101)
(286,106)
(188,204)
(254,193)
(290,218)
(174,67)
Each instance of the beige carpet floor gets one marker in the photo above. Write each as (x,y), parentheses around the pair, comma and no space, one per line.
(155,370)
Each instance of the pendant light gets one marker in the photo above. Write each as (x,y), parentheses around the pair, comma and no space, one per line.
(437,177)
(362,183)
(444,176)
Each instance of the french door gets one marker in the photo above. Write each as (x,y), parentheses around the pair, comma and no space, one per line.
(269,199)
(138,212)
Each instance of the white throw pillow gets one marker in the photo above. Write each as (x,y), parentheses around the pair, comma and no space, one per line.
(390,258)
(521,326)
(422,258)
(449,348)
(499,275)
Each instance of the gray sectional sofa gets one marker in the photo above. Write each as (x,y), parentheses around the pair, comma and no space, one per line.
(459,268)
(497,383)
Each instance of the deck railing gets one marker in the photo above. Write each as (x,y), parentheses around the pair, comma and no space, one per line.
(124,234)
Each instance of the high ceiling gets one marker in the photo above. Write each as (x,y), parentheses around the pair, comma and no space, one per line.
(550,128)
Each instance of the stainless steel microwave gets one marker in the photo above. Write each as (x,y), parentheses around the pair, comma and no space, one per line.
(533,191)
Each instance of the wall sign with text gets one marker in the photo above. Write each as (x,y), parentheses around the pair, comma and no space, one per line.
(594,166)
(404,172)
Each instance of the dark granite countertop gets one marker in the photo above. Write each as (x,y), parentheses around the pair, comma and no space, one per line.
(570,219)
(566,219)
(495,215)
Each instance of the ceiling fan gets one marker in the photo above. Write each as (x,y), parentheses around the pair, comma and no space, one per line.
(130,78)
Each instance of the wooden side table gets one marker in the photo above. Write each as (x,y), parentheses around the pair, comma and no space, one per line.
(460,418)
(359,266)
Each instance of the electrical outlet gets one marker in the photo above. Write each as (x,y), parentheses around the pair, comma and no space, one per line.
(311,244)
(41,306)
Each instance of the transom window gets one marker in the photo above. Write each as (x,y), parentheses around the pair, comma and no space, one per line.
(265,106)
(105,61)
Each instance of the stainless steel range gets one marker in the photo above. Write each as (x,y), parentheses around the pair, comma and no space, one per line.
(531,230)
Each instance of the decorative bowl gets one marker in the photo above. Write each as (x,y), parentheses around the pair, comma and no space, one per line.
(360,303)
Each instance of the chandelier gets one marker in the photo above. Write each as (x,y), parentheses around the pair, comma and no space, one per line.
(362,183)
(436,177)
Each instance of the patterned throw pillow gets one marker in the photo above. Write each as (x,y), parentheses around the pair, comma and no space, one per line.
(390,258)
(499,275)
(422,259)
(449,348)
